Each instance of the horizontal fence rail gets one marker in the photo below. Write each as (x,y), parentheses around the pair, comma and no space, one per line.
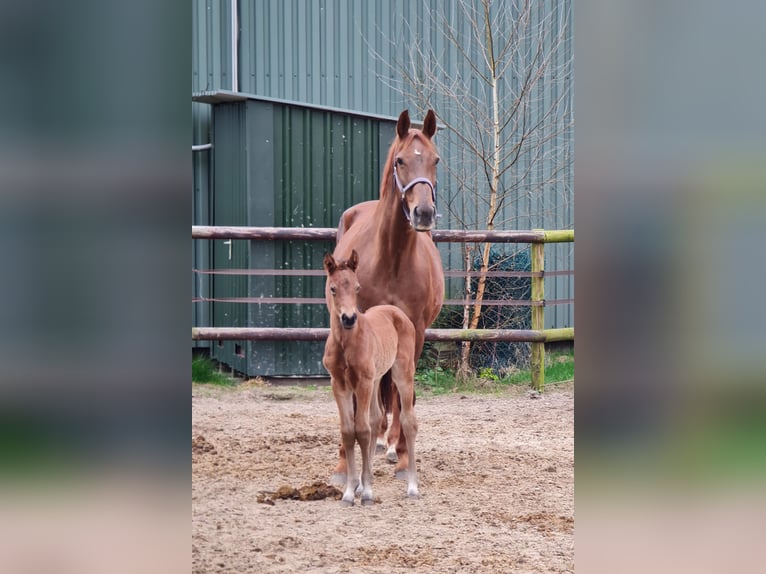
(321,334)
(328,234)
(538,336)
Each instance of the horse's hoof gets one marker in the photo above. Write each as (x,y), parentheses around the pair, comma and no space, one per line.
(413,494)
(368,501)
(401,474)
(380,446)
(338,479)
(346,503)
(391,456)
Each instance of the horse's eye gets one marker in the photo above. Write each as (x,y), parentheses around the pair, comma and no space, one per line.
(399,161)
(437,161)
(332,290)
(357,288)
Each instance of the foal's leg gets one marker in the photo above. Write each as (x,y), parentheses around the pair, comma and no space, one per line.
(398,450)
(404,378)
(404,449)
(365,436)
(333,359)
(344,398)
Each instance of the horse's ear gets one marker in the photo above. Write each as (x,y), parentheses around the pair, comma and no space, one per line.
(329,263)
(403,125)
(353,261)
(429,124)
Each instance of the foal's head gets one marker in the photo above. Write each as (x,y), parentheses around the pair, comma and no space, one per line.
(342,287)
(414,170)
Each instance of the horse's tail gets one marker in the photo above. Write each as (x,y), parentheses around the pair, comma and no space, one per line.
(387,392)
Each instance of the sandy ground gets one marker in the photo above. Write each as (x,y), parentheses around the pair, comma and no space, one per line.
(496,484)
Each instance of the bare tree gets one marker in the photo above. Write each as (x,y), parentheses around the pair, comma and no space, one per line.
(498,72)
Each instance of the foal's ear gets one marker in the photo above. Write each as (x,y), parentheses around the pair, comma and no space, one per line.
(329,263)
(353,261)
(429,124)
(403,125)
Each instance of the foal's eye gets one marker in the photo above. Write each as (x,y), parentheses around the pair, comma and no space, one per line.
(399,161)
(357,288)
(332,290)
(437,160)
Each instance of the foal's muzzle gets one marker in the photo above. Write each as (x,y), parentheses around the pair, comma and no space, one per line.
(348,321)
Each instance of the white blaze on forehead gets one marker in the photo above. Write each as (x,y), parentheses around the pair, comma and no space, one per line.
(417,152)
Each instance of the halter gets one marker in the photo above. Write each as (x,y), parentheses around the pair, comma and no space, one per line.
(409,186)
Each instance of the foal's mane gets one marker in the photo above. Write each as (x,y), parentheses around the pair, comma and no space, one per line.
(340,265)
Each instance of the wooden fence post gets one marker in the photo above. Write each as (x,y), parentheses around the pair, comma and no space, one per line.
(537,366)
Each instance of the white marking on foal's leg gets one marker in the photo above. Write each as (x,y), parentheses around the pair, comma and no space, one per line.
(348,494)
(380,444)
(366,496)
(412,486)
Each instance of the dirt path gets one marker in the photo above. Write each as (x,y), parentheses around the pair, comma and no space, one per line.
(496,483)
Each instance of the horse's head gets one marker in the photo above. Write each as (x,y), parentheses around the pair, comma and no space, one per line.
(342,287)
(415,170)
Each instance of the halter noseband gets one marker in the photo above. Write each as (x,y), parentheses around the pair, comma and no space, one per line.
(410,185)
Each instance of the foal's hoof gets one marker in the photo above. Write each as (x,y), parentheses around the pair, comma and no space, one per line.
(347,503)
(368,501)
(391,455)
(380,446)
(338,479)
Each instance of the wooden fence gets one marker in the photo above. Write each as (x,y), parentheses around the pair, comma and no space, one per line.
(537,336)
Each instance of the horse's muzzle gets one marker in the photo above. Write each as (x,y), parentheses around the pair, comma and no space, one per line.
(348,321)
(423,218)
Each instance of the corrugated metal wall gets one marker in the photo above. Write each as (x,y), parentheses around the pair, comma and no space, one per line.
(336,53)
(285,165)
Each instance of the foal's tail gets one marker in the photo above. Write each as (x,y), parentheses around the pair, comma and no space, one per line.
(387,393)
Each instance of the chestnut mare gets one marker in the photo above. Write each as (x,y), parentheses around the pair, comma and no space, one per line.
(361,348)
(400,265)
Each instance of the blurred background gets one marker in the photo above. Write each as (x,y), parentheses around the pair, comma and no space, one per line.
(94,215)
(670,209)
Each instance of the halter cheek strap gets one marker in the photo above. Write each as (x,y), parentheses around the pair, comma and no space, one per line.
(410,185)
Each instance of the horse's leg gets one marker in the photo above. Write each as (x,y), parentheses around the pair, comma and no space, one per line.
(364,436)
(386,397)
(394,431)
(377,419)
(405,383)
(338,475)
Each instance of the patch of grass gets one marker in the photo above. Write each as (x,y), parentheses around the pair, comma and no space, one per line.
(205,371)
(437,381)
(559,368)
